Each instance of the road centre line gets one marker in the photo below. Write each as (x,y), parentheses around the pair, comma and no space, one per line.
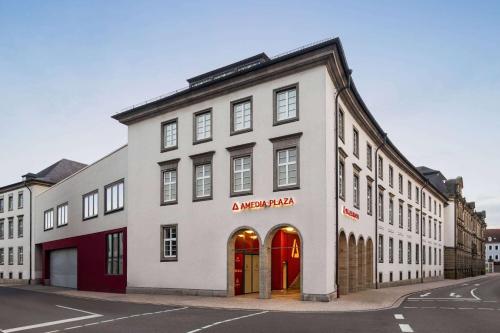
(227,321)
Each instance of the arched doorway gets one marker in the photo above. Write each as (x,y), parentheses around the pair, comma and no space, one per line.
(243,262)
(284,251)
(361,263)
(353,264)
(343,269)
(369,264)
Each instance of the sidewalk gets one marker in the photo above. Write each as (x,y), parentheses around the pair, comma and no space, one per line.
(368,300)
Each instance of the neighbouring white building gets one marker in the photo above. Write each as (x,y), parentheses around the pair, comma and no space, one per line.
(493,249)
(233,188)
(16,204)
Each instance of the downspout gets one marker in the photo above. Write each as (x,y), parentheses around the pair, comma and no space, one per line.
(455,234)
(31,232)
(422,254)
(349,72)
(376,209)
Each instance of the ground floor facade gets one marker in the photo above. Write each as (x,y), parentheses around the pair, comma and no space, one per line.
(93,262)
(460,264)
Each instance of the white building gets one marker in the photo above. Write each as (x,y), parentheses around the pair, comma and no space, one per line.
(232,186)
(493,249)
(80,228)
(15,219)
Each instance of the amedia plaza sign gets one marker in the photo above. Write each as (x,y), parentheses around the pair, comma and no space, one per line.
(349,213)
(260,204)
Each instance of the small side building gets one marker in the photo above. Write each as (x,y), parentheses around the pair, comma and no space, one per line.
(81,228)
(493,250)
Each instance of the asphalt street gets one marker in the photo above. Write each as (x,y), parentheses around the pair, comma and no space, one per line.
(466,307)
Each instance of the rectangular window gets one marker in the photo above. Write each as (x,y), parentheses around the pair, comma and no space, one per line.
(114,196)
(203,126)
(435,256)
(20,200)
(439,210)
(423,224)
(355,190)
(430,226)
(20,227)
(409,253)
(203,180)
(380,166)
(435,229)
(2,229)
(242,174)
(169,135)
(440,257)
(369,199)
(391,176)
(341,179)
(423,254)
(368,156)
(417,254)
(409,190)
(435,205)
(287,167)
(391,250)
(90,205)
(391,211)
(169,243)
(423,198)
(400,183)
(169,186)
(11,202)
(341,125)
(430,255)
(400,252)
(11,256)
(417,195)
(409,219)
(20,255)
(440,233)
(2,254)
(62,215)
(380,248)
(48,219)
(1,204)
(11,227)
(114,253)
(286,174)
(430,204)
(286,104)
(202,176)
(380,206)
(241,116)
(400,215)
(355,142)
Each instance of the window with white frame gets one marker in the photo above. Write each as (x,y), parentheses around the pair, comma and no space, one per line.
(203,180)
(1,204)
(10,202)
(241,116)
(391,176)
(286,104)
(242,174)
(169,134)
(11,256)
(287,167)
(11,227)
(417,194)
(341,179)
(169,185)
(409,218)
(380,248)
(355,190)
(114,253)
(91,205)
(380,207)
(409,190)
(369,155)
(400,183)
(203,126)
(20,255)
(369,200)
(380,166)
(423,198)
(423,224)
(20,200)
(62,215)
(20,226)
(48,219)
(440,232)
(435,229)
(391,211)
(400,251)
(391,250)
(114,196)
(400,215)
(169,243)
(355,142)
(341,124)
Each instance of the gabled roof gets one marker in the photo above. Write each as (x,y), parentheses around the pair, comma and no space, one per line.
(494,234)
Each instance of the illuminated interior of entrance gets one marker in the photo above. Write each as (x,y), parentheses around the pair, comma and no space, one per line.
(285,260)
(246,263)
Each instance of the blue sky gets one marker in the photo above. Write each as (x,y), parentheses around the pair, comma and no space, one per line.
(429,72)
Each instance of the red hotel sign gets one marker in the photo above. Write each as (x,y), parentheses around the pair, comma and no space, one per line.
(349,213)
(259,204)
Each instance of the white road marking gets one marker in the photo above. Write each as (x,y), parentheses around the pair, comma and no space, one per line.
(425,295)
(466,308)
(56,322)
(228,320)
(477,284)
(484,308)
(399,316)
(465,284)
(72,328)
(411,307)
(473,295)
(447,298)
(405,328)
(447,308)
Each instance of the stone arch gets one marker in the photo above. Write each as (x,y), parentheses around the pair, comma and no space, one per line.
(369,263)
(361,263)
(231,252)
(353,264)
(267,256)
(343,265)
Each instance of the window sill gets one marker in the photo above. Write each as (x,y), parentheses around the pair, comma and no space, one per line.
(114,211)
(168,259)
(246,130)
(287,188)
(197,142)
(164,150)
(202,199)
(285,121)
(90,217)
(240,194)
(169,203)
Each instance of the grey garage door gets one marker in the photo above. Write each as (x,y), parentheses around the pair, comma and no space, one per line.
(63,268)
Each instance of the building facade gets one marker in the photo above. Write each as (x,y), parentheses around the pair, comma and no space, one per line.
(465,237)
(15,219)
(81,228)
(493,249)
(237,179)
